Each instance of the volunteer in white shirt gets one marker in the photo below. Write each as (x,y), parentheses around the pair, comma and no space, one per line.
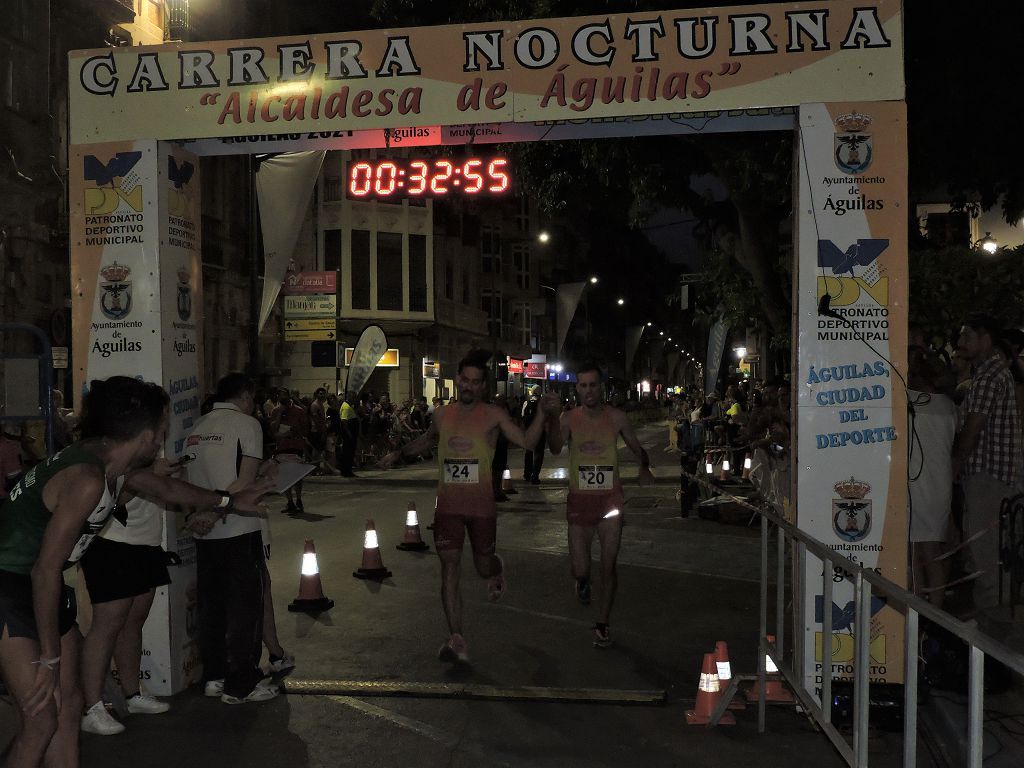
(228,446)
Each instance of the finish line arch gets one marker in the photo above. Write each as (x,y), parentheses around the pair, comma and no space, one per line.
(832,72)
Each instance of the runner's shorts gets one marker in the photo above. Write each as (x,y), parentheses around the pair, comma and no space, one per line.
(591,507)
(451,527)
(17,614)
(115,570)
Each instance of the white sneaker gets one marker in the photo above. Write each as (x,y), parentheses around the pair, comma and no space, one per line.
(98,720)
(285,664)
(214,688)
(262,692)
(141,704)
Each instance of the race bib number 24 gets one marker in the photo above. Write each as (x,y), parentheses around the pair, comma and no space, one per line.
(462,471)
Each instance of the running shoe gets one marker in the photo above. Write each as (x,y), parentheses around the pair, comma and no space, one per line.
(496,585)
(583,591)
(602,636)
(455,649)
(261,692)
(98,720)
(280,664)
(214,688)
(141,704)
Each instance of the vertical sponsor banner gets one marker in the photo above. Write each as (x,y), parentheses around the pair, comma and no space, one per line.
(716,347)
(135,270)
(567,300)
(170,636)
(284,187)
(851,405)
(114,261)
(369,349)
(633,335)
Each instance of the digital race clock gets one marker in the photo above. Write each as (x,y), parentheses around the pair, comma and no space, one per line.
(433,177)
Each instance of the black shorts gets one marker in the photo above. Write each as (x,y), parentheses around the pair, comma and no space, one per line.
(115,570)
(17,614)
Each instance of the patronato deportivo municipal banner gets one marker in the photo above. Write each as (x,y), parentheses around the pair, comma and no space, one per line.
(852,345)
(537,70)
(136,222)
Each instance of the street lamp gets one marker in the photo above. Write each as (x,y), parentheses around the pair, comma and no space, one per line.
(593,279)
(741,352)
(620,302)
(988,244)
(543,237)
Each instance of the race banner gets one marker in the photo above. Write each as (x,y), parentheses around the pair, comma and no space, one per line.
(851,400)
(370,348)
(137,311)
(284,186)
(567,300)
(604,67)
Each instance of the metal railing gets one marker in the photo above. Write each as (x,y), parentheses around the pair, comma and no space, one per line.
(865,582)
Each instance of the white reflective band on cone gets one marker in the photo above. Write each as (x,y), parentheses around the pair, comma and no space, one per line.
(709,683)
(506,475)
(725,465)
(769,665)
(309,566)
(370,541)
(709,468)
(747,463)
(612,513)
(724,670)
(411,519)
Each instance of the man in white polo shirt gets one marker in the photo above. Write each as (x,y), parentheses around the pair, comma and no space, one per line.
(228,446)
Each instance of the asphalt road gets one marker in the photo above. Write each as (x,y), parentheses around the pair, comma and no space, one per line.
(684,584)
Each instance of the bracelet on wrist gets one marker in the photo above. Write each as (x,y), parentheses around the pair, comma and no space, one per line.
(50,664)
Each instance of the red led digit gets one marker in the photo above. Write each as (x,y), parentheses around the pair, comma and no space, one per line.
(384,179)
(474,180)
(496,172)
(360,179)
(445,169)
(419,178)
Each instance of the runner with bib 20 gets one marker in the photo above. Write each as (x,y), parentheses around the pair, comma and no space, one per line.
(596,502)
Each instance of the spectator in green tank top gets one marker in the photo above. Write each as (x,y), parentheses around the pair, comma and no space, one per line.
(52,515)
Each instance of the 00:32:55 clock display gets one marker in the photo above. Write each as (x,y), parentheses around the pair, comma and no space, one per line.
(427,177)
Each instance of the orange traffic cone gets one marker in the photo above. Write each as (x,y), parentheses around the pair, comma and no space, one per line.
(708,694)
(413,541)
(725,672)
(506,482)
(311,592)
(373,566)
(774,689)
(748,463)
(726,474)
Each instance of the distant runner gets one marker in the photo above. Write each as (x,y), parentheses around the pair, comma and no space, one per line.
(468,431)
(596,502)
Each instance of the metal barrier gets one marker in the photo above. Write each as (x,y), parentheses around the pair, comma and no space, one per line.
(864,581)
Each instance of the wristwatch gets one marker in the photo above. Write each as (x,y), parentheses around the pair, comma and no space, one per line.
(226,501)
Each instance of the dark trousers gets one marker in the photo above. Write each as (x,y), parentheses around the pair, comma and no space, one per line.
(230,587)
(349,438)
(500,463)
(534,460)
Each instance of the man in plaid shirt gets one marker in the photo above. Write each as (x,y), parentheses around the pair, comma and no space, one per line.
(987,453)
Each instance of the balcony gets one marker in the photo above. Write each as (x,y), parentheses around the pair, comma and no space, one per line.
(109,11)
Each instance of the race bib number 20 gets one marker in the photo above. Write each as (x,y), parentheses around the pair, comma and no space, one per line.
(596,477)
(461,471)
